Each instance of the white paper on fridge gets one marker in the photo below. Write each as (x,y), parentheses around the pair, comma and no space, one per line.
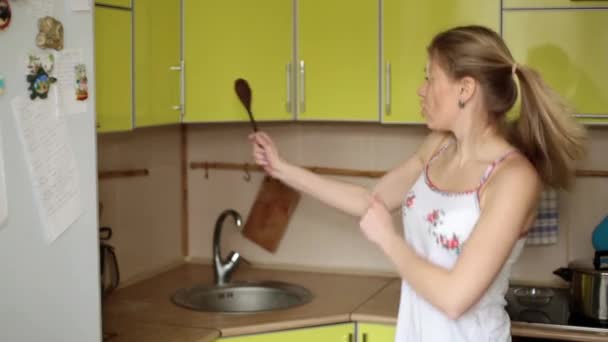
(80,5)
(65,71)
(3,198)
(51,163)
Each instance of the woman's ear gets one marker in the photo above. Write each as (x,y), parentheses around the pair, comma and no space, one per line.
(468,86)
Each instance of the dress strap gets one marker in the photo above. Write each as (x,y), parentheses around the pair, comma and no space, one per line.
(492,166)
(438,152)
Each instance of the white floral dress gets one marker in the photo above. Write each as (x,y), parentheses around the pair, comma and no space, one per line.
(437,224)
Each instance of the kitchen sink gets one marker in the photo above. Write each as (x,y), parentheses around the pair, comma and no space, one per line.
(242,297)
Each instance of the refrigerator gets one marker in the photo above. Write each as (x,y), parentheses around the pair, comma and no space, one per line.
(49,247)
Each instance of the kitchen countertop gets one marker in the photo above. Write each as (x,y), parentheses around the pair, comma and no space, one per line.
(335,297)
(144,312)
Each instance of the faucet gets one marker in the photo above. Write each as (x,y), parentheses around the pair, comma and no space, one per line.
(223,269)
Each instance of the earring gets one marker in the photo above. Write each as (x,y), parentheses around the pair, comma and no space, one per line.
(460,104)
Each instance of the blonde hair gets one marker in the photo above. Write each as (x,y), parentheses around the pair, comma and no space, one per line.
(545,131)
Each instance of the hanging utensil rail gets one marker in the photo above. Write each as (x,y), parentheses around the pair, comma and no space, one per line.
(245,167)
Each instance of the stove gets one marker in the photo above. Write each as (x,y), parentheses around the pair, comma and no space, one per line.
(548,307)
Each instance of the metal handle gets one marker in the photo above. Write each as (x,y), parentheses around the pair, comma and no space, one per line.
(176,107)
(591,116)
(175,68)
(288,77)
(181,68)
(302,87)
(364,337)
(350,337)
(387,109)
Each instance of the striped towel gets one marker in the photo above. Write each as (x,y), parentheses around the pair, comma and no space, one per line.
(545,228)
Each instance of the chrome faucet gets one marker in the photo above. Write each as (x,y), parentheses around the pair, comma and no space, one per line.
(223,269)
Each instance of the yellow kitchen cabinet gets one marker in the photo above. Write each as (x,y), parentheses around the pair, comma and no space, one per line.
(116,3)
(337,65)
(328,333)
(553,3)
(569,49)
(230,39)
(157,62)
(408,27)
(371,332)
(113,61)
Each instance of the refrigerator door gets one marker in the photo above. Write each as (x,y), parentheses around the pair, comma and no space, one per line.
(49,288)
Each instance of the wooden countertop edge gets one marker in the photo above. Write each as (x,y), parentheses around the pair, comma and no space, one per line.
(284,325)
(375,319)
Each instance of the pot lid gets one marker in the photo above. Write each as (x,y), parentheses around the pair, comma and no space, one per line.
(586,266)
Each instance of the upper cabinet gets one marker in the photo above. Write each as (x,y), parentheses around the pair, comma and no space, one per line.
(157,62)
(113,68)
(231,39)
(569,49)
(115,3)
(137,63)
(408,27)
(337,64)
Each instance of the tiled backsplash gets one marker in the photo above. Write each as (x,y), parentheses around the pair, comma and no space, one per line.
(318,237)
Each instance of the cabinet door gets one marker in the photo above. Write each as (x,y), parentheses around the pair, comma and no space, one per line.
(408,27)
(553,3)
(230,39)
(338,60)
(368,332)
(157,67)
(113,60)
(116,3)
(569,49)
(329,333)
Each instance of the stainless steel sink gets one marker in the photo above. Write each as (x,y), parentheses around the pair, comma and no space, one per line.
(242,297)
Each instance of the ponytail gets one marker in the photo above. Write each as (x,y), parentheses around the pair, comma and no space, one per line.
(546,132)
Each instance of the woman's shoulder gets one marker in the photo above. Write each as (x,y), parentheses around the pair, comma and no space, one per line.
(515,172)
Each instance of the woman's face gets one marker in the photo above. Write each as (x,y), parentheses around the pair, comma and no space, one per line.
(438,97)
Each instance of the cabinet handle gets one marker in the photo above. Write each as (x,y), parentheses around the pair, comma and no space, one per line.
(350,337)
(175,68)
(176,107)
(364,337)
(387,109)
(288,73)
(591,116)
(302,87)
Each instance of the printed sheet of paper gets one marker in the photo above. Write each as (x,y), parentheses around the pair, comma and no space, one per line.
(80,5)
(65,72)
(3,198)
(51,163)
(41,8)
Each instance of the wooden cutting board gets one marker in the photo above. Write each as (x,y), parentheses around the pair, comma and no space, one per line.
(270,214)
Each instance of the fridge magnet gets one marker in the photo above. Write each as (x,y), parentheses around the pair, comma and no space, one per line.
(50,33)
(5,14)
(39,78)
(2,86)
(82,88)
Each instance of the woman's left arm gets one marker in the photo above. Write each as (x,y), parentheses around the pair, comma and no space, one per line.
(508,206)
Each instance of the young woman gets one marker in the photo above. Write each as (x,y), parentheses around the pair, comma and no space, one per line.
(469,194)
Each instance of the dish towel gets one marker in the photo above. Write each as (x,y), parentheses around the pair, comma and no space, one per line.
(545,228)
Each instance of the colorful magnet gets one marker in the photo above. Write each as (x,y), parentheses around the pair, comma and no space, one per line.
(2,85)
(50,33)
(39,78)
(82,88)
(5,14)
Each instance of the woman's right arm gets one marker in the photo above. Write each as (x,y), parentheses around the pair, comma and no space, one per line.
(350,198)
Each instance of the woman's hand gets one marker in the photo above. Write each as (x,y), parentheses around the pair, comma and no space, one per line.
(265,153)
(377,223)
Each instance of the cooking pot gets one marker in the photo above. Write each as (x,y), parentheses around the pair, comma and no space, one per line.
(588,287)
